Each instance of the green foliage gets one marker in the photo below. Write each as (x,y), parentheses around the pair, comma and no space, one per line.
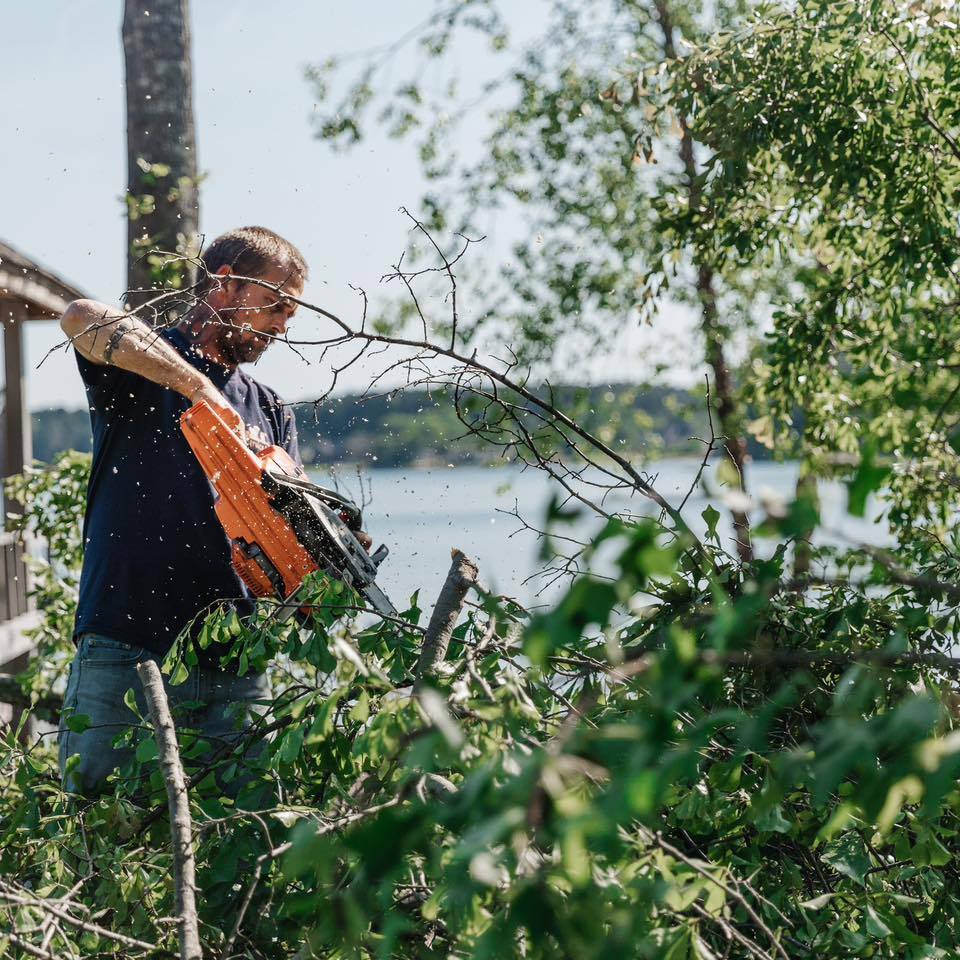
(54,497)
(674,755)
(684,756)
(581,146)
(831,128)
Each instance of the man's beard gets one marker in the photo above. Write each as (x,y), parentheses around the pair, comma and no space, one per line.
(238,347)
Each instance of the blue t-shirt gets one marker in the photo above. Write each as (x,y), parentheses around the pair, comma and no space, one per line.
(155,554)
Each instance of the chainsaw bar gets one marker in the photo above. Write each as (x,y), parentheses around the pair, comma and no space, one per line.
(317,517)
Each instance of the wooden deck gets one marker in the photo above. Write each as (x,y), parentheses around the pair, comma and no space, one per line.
(29,293)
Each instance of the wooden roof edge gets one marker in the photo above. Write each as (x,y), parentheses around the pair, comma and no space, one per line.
(24,279)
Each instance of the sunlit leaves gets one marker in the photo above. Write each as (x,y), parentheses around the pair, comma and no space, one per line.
(831,128)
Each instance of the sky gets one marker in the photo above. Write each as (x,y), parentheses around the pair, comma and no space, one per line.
(62,169)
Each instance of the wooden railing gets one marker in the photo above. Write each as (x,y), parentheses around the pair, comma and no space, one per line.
(17,616)
(13,578)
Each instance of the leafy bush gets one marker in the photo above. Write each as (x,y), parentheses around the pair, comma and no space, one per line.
(687,755)
(684,760)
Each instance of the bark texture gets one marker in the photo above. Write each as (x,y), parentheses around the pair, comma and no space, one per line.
(178,800)
(461,577)
(160,129)
(803,546)
(714,331)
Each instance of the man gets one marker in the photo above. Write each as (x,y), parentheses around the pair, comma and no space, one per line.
(156,557)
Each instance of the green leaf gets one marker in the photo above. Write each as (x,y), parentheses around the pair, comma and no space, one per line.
(291,744)
(78,722)
(848,856)
(818,903)
(875,926)
(361,709)
(711,517)
(130,699)
(773,820)
(179,674)
(868,479)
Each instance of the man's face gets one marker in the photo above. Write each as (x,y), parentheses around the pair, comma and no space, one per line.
(251,316)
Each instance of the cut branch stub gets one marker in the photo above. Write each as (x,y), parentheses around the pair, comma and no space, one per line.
(463,575)
(181,826)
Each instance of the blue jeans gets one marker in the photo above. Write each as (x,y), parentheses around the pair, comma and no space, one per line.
(217,704)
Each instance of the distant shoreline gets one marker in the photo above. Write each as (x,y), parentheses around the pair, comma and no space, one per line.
(351,466)
(421,431)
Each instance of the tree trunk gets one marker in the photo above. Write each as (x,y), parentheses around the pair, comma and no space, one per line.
(803,546)
(713,330)
(162,196)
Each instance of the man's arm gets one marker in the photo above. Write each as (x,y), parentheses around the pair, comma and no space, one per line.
(108,336)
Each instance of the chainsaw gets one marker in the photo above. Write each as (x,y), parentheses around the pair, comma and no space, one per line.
(281,526)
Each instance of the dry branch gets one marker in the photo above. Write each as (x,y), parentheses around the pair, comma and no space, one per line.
(29,948)
(181,827)
(58,910)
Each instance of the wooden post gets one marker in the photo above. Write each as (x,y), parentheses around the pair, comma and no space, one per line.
(17,441)
(17,453)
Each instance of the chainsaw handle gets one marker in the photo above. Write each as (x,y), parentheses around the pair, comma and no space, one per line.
(232,419)
(226,413)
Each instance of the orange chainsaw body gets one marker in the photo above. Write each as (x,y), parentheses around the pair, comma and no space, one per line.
(243,506)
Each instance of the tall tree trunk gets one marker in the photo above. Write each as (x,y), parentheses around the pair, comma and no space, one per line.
(161,147)
(711,326)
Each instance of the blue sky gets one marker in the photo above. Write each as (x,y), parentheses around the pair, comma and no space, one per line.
(62,170)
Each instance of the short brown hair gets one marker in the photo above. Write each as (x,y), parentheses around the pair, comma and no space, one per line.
(248,252)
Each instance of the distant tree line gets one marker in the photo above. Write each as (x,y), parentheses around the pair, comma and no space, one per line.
(418,428)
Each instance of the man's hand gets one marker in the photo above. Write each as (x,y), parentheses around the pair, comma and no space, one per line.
(207,391)
(366,541)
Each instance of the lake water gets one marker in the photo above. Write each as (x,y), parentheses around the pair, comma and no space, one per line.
(421,514)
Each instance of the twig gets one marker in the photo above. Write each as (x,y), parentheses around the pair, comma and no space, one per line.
(248,897)
(710,446)
(30,948)
(76,921)
(732,933)
(181,827)
(657,838)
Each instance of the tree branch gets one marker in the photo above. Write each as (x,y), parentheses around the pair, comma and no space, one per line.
(461,577)
(181,827)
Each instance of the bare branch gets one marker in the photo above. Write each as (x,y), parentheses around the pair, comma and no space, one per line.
(181,827)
